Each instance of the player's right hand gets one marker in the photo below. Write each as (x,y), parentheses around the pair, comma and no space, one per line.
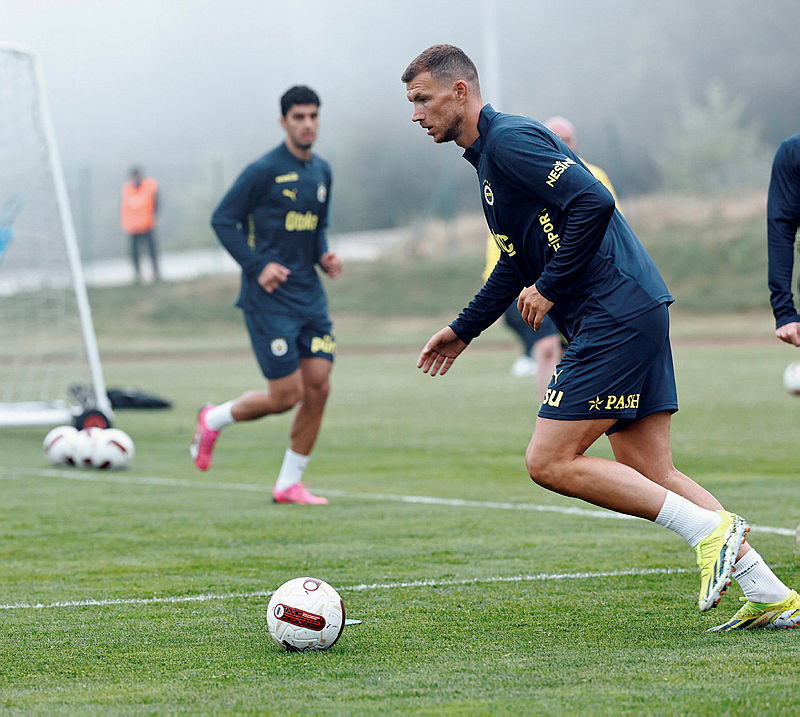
(272,276)
(790,333)
(439,353)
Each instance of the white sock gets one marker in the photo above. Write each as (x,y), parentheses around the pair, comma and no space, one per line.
(757,580)
(294,464)
(687,519)
(220,416)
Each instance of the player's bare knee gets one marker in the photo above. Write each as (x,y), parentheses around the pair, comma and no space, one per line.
(540,468)
(287,398)
(318,391)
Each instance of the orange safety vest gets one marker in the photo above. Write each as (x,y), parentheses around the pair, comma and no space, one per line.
(138,209)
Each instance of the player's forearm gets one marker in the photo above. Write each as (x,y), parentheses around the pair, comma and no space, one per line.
(235,243)
(322,243)
(587,223)
(489,304)
(231,216)
(780,262)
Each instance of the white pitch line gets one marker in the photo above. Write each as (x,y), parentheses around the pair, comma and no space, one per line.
(98,477)
(430,582)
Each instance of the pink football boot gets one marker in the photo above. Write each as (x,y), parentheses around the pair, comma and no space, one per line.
(203,441)
(299,495)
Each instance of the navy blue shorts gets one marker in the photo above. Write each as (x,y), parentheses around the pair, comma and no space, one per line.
(280,340)
(621,371)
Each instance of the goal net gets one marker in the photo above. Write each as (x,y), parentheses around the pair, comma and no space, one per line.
(47,340)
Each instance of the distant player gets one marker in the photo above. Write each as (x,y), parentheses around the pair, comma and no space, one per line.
(783,220)
(562,238)
(565,131)
(272,221)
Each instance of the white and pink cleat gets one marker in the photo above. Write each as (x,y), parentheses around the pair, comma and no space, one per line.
(203,441)
(299,495)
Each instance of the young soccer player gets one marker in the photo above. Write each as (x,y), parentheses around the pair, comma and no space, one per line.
(562,238)
(272,221)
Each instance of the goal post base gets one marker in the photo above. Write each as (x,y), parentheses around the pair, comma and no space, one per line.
(35,413)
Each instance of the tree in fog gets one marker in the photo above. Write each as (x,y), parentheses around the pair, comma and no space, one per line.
(709,146)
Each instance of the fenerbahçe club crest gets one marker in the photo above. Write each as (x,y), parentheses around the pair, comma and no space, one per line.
(487,192)
(279,347)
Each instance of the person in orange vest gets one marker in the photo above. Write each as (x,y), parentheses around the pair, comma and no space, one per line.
(138,218)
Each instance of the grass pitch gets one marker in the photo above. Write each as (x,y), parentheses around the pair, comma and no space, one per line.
(145,590)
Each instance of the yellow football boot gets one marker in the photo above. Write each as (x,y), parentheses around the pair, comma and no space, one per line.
(716,554)
(785,613)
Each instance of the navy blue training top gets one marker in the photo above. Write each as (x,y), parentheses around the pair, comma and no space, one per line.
(277,210)
(556,226)
(783,219)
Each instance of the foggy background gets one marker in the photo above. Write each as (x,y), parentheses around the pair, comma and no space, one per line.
(685,95)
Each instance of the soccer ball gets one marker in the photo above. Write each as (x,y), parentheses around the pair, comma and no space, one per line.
(83,447)
(58,444)
(111,448)
(305,614)
(791,378)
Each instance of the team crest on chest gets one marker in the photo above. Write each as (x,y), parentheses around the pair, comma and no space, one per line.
(322,193)
(488,195)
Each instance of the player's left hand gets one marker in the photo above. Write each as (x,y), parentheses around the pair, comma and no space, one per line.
(331,264)
(533,307)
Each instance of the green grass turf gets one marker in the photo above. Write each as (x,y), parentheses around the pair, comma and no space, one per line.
(469,643)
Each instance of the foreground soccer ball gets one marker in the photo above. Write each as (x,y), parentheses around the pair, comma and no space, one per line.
(305,614)
(111,448)
(58,444)
(791,378)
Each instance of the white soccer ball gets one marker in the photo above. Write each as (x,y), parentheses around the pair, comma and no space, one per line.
(58,444)
(83,447)
(791,378)
(305,614)
(111,448)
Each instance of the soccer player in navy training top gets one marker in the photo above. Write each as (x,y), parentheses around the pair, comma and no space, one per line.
(783,220)
(272,221)
(567,253)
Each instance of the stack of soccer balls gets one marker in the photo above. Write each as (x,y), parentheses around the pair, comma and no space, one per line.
(89,448)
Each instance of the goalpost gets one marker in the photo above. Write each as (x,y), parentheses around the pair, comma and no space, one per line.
(50,370)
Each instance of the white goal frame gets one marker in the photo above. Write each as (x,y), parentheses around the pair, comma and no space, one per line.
(33,412)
